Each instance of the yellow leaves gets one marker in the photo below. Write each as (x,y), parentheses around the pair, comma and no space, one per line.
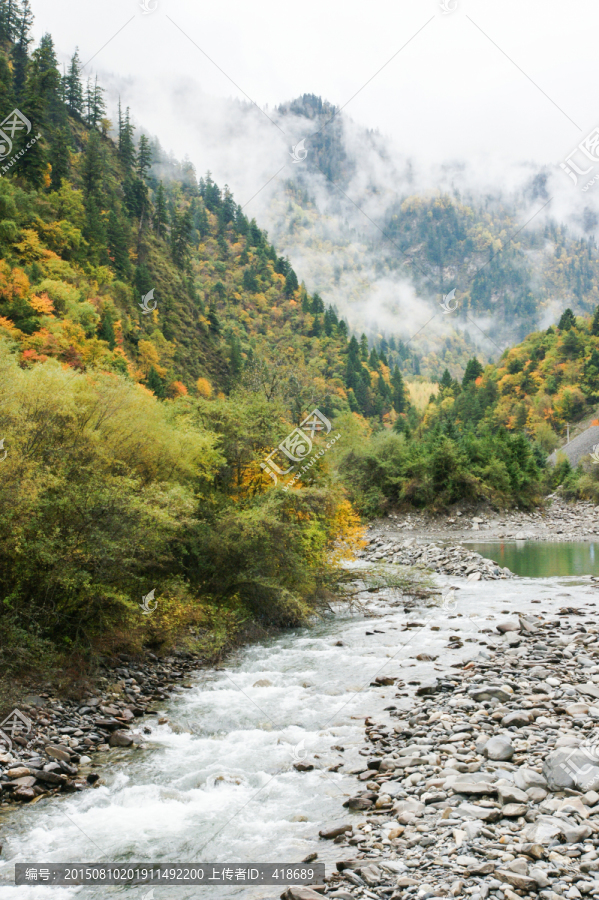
(347,532)
(204,388)
(148,357)
(31,247)
(9,326)
(42,304)
(14,283)
(60,236)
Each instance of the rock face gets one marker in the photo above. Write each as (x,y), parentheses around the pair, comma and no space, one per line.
(494,793)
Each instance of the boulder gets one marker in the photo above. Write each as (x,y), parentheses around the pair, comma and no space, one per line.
(499,748)
(120,739)
(571,768)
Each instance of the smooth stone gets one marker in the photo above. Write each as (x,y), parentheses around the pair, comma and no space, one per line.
(58,753)
(526,778)
(516,719)
(512,810)
(120,739)
(498,748)
(510,794)
(571,768)
(334,831)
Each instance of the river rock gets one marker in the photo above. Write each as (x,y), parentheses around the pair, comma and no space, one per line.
(18,772)
(300,893)
(58,753)
(498,748)
(120,739)
(334,831)
(571,768)
(526,778)
(510,794)
(512,810)
(516,719)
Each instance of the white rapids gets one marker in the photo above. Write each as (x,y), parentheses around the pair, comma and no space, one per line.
(217,783)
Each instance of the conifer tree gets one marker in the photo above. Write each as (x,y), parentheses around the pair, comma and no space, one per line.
(155,383)
(126,145)
(473,371)
(21,48)
(399,391)
(73,89)
(144,157)
(160,212)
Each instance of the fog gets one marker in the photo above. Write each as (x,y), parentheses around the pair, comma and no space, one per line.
(462,95)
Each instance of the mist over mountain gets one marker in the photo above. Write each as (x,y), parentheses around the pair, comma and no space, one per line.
(383,238)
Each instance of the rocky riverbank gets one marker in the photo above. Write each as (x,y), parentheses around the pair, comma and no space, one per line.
(448,560)
(557,521)
(489,785)
(52,745)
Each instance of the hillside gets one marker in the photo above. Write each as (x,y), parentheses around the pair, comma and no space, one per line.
(369,241)
(155,347)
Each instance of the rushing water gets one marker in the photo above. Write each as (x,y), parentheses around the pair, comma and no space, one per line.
(542,559)
(217,783)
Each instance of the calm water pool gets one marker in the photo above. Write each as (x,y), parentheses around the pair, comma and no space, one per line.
(540,559)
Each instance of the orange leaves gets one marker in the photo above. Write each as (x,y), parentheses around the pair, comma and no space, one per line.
(14,283)
(178,389)
(42,304)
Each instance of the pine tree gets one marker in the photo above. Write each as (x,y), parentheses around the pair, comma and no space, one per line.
(473,371)
(155,383)
(595,323)
(44,82)
(126,134)
(364,347)
(291,283)
(8,20)
(73,89)
(446,381)
(213,320)
(160,212)
(399,391)
(181,237)
(567,320)
(21,48)
(106,330)
(144,157)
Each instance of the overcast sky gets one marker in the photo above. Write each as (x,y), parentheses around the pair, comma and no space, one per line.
(454,85)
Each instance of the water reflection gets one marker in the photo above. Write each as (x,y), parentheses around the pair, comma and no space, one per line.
(542,559)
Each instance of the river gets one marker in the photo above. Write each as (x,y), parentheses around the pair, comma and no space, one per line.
(217,782)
